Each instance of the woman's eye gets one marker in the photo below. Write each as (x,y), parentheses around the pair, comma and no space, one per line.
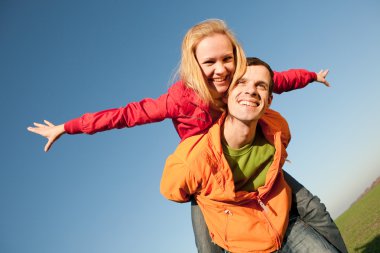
(228,59)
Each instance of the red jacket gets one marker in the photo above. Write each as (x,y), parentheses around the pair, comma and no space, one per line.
(238,221)
(189,114)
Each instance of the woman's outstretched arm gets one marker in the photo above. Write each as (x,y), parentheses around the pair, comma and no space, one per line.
(297,79)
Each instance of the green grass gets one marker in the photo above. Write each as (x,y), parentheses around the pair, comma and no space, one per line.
(360,224)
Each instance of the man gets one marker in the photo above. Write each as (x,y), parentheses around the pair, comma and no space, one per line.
(235,174)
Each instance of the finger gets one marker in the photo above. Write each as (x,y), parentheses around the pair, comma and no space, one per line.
(36,130)
(47,146)
(39,124)
(48,123)
(31,129)
(326,83)
(323,72)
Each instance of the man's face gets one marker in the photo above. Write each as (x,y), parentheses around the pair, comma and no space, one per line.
(249,99)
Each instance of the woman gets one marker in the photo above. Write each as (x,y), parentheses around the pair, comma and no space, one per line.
(211,59)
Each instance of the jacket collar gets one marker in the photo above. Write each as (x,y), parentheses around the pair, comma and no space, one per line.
(271,123)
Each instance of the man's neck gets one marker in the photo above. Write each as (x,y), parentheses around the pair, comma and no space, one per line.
(238,134)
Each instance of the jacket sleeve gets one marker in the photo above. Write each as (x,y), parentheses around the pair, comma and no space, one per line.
(145,111)
(274,120)
(177,182)
(285,133)
(292,79)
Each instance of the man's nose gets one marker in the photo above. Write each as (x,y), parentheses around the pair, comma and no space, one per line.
(251,89)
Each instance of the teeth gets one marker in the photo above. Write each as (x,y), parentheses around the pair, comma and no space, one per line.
(248,103)
(219,79)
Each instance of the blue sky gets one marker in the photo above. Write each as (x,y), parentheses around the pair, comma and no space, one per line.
(100,193)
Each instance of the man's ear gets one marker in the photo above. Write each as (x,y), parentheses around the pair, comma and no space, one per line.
(270,100)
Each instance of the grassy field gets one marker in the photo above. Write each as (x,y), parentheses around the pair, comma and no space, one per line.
(360,224)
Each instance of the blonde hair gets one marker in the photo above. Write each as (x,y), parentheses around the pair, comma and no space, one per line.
(190,71)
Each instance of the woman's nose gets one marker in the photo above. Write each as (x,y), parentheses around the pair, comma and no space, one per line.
(220,68)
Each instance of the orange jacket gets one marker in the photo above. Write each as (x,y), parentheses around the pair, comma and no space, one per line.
(237,221)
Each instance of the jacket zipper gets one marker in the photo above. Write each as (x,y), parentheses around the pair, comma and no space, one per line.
(228,213)
(266,211)
(263,206)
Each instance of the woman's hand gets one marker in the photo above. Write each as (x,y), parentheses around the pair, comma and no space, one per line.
(321,77)
(49,131)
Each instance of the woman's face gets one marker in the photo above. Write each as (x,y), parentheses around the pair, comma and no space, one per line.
(215,56)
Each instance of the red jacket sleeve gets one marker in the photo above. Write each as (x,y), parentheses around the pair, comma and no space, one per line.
(136,113)
(292,79)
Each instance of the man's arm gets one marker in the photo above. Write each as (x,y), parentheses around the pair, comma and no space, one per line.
(177,181)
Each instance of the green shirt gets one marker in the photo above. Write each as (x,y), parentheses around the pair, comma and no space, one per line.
(250,163)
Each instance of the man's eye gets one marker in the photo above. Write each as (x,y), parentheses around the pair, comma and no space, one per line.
(262,86)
